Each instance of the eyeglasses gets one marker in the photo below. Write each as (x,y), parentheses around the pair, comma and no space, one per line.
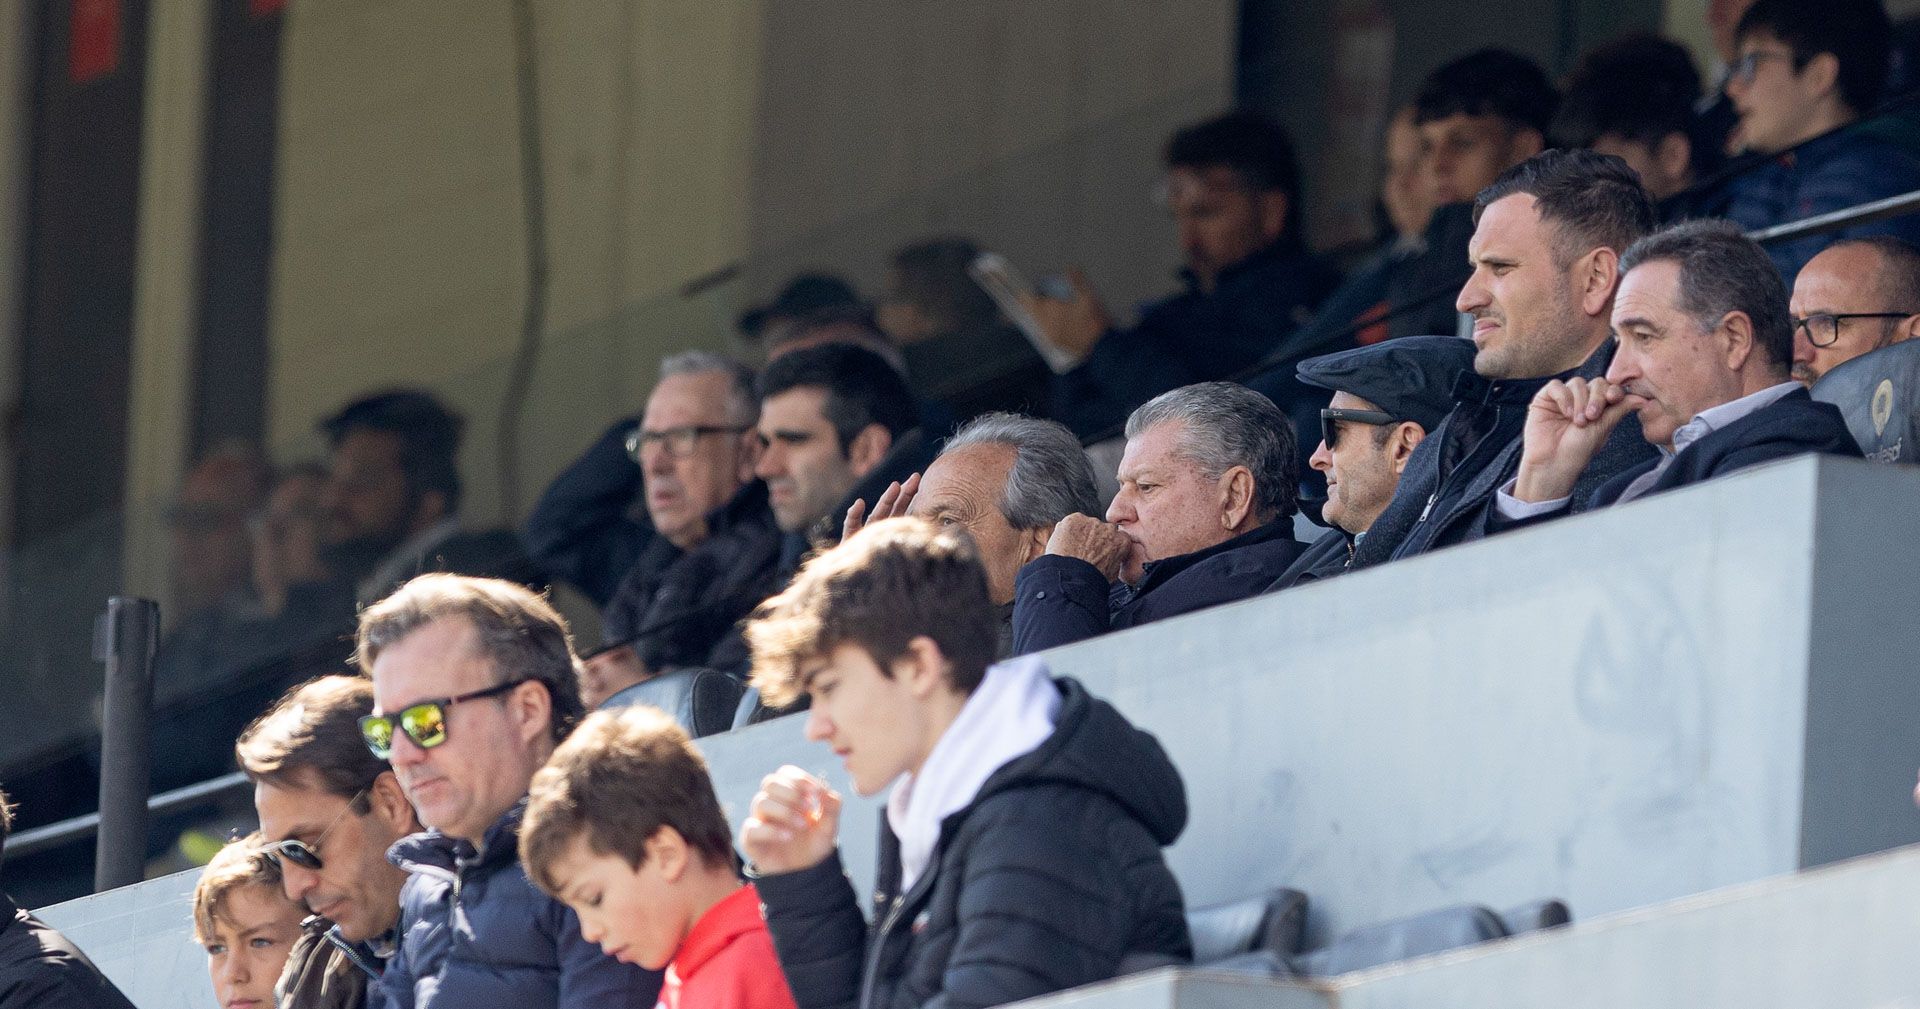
(424,723)
(678,441)
(1746,66)
(1330,422)
(307,856)
(1823,329)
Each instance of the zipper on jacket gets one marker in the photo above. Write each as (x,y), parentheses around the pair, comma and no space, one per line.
(879,942)
(353,955)
(1428,510)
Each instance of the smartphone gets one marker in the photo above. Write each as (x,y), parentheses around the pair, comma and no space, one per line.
(1007,288)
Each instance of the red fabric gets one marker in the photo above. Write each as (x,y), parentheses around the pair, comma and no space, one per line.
(93,39)
(262,8)
(727,961)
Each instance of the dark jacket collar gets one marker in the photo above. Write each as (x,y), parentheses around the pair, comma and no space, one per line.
(1156,573)
(748,505)
(433,851)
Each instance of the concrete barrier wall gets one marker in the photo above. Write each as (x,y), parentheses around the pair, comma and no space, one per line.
(1697,690)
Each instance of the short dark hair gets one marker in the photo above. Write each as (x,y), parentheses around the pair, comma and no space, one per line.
(620,777)
(1722,271)
(1591,200)
(429,436)
(891,582)
(932,276)
(861,388)
(1856,32)
(311,738)
(1641,87)
(1490,82)
(1899,275)
(1254,146)
(518,632)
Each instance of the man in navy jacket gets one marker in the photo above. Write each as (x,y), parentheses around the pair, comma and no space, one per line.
(1705,345)
(1204,516)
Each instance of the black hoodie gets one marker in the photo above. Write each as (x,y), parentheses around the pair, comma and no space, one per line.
(40,969)
(1046,880)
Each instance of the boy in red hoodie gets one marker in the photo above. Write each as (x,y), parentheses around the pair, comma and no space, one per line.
(622,826)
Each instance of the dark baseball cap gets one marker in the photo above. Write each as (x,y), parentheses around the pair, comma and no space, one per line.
(804,294)
(1411,378)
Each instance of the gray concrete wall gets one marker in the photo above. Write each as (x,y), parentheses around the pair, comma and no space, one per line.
(1612,709)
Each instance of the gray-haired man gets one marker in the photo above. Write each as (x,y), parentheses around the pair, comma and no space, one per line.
(1009,481)
(1204,516)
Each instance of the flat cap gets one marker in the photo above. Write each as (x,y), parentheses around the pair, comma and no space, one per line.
(1411,378)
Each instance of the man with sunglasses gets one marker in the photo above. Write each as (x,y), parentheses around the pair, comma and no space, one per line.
(1807,71)
(1705,344)
(1386,398)
(1857,296)
(329,810)
(473,683)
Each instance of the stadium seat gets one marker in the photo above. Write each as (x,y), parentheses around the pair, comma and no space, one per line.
(701,700)
(1403,939)
(1879,393)
(1540,914)
(1273,923)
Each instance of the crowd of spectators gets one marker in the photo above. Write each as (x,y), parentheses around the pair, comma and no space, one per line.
(887,521)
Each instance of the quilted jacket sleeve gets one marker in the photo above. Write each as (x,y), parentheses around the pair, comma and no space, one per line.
(818,933)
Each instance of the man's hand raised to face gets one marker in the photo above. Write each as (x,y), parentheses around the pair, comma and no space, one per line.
(1100,544)
(1566,425)
(893,502)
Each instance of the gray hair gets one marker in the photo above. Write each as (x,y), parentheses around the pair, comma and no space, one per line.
(1051,477)
(743,404)
(1722,271)
(1230,425)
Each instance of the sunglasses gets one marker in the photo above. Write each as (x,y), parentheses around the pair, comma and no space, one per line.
(307,856)
(1330,422)
(425,723)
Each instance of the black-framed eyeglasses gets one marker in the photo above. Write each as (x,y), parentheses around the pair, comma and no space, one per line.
(1748,64)
(307,856)
(1823,328)
(678,441)
(1330,419)
(425,723)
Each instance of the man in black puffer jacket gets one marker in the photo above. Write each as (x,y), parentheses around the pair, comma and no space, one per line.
(1021,846)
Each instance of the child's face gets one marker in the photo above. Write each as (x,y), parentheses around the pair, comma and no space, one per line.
(634,914)
(252,935)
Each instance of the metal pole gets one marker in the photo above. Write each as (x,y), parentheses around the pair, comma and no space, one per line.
(125,638)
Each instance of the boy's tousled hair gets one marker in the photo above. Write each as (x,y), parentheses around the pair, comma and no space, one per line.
(893,581)
(244,862)
(620,777)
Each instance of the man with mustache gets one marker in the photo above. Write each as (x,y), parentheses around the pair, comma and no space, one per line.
(1705,344)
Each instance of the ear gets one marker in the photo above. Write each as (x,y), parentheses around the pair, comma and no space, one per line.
(868,448)
(1236,497)
(1526,143)
(668,851)
(924,667)
(389,802)
(432,508)
(1821,76)
(1596,276)
(1908,328)
(1401,443)
(531,709)
(1272,208)
(1736,336)
(749,454)
(1674,155)
(1033,542)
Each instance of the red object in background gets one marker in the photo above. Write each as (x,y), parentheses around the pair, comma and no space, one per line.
(93,39)
(262,8)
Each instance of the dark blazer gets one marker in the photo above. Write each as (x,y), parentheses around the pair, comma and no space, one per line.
(585,530)
(1048,879)
(1060,600)
(1328,557)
